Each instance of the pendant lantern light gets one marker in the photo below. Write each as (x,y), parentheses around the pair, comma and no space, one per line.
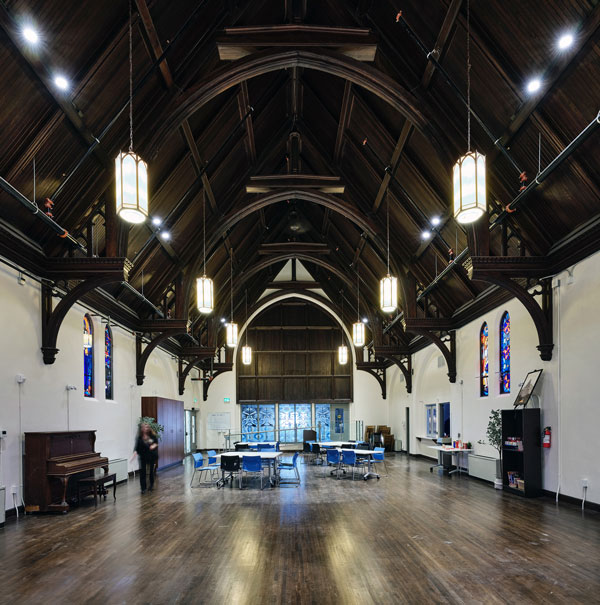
(342,349)
(388,286)
(358,328)
(232,327)
(246,350)
(204,285)
(469,170)
(131,172)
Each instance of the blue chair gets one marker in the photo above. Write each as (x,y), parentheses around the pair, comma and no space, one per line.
(253,466)
(333,459)
(289,466)
(349,459)
(261,447)
(378,457)
(198,462)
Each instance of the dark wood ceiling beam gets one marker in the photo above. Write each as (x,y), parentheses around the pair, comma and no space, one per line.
(343,122)
(440,47)
(243,105)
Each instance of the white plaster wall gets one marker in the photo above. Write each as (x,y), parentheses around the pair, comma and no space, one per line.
(567,390)
(43,396)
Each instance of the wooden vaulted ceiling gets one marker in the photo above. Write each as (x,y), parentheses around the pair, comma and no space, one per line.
(207,125)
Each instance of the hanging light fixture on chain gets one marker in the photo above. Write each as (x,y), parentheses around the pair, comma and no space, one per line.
(469,170)
(232,327)
(342,349)
(358,328)
(204,285)
(131,172)
(246,350)
(388,286)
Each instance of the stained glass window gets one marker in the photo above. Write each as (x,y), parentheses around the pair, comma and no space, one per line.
(108,363)
(323,417)
(258,421)
(88,357)
(294,417)
(484,385)
(505,353)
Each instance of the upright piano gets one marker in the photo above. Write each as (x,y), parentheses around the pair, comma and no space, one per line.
(54,462)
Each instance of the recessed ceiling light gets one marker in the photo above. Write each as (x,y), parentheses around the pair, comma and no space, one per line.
(30,35)
(165,235)
(156,221)
(565,41)
(223,320)
(435,221)
(61,82)
(534,85)
(426,235)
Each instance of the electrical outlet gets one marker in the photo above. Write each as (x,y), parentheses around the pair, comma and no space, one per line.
(13,489)
(584,483)
(21,378)
(2,433)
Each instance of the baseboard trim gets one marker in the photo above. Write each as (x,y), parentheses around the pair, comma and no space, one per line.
(11,512)
(571,500)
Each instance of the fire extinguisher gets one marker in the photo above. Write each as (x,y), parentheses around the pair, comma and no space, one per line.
(547,440)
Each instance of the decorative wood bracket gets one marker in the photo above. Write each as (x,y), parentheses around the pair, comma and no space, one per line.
(167,328)
(377,369)
(208,375)
(405,365)
(449,353)
(94,273)
(184,371)
(541,315)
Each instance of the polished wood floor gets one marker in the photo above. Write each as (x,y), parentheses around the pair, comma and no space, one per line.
(412,537)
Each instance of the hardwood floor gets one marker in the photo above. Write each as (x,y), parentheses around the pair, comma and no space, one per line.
(412,537)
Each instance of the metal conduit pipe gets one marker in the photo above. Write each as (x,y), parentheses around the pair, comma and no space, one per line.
(62,232)
(542,176)
(429,54)
(34,209)
(552,166)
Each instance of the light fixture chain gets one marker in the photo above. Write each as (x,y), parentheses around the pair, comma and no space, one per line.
(231,281)
(387,212)
(204,228)
(130,80)
(468,75)
(357,293)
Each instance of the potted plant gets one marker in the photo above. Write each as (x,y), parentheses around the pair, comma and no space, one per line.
(157,428)
(494,438)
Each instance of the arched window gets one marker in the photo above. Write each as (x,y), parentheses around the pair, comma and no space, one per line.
(88,356)
(484,384)
(108,363)
(505,353)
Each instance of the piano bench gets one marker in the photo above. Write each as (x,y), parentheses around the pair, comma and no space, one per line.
(96,484)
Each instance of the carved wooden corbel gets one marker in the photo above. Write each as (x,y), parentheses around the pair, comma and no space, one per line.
(166,329)
(94,273)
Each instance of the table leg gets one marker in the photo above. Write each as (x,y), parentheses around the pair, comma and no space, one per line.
(115,488)
(95,494)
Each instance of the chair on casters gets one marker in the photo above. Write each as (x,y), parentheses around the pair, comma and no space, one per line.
(289,466)
(231,465)
(252,465)
(379,456)
(333,459)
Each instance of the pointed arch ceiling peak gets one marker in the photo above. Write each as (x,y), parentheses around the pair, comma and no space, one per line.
(412,106)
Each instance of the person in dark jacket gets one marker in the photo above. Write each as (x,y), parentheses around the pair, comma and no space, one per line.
(146,447)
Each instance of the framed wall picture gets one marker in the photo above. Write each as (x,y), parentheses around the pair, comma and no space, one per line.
(527,389)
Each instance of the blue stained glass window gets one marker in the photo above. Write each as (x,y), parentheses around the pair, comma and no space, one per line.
(258,421)
(484,385)
(108,359)
(505,353)
(287,421)
(88,357)
(323,416)
(249,421)
(266,421)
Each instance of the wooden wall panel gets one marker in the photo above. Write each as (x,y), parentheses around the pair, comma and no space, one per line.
(294,361)
(169,413)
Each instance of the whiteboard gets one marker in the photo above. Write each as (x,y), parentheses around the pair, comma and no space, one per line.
(220,421)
